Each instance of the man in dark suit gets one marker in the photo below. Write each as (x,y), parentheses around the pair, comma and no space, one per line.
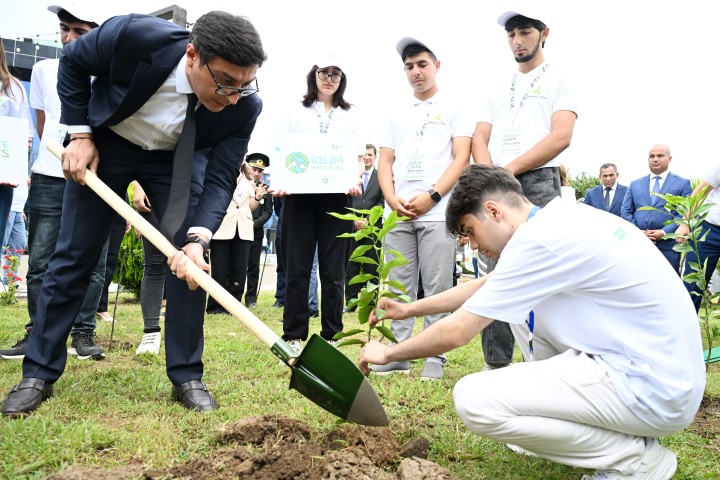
(371,196)
(609,195)
(257,162)
(148,75)
(639,194)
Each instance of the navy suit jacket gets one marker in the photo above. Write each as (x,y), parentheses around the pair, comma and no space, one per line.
(131,56)
(638,195)
(595,197)
(371,196)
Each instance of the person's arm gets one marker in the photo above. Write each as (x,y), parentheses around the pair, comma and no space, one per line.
(422,203)
(266,210)
(140,201)
(446,334)
(39,122)
(480,142)
(385,177)
(627,211)
(561,130)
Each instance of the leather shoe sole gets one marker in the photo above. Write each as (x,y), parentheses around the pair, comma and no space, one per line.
(25,397)
(194,395)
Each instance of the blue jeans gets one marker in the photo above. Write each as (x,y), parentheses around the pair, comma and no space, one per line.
(313,290)
(709,251)
(45,198)
(15,240)
(6,196)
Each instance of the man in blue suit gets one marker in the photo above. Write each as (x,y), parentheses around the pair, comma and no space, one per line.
(149,73)
(609,195)
(639,194)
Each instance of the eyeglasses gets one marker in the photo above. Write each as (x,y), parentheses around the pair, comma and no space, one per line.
(227,91)
(334,78)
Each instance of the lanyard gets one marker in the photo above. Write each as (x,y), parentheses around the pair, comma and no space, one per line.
(420,133)
(531,317)
(325,126)
(528,92)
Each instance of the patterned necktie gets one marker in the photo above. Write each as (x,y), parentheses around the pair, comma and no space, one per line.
(607,198)
(365,181)
(182,172)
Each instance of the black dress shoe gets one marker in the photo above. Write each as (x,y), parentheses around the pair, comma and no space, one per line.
(25,397)
(278,304)
(194,395)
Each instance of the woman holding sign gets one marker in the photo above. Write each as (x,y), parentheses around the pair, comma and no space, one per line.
(13,155)
(325,116)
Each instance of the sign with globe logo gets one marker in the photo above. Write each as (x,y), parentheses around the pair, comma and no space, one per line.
(297,162)
(316,163)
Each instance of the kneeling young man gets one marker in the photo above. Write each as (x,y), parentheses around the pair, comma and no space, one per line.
(612,334)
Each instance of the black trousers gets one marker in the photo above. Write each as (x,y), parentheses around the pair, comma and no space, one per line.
(85,225)
(253,269)
(229,267)
(304,222)
(355,268)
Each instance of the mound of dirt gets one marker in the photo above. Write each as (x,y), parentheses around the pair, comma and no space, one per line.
(707,420)
(274,447)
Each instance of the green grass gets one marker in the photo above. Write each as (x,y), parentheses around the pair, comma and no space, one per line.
(119,410)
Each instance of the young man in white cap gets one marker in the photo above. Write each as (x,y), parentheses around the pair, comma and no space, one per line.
(424,148)
(616,354)
(524,124)
(46,195)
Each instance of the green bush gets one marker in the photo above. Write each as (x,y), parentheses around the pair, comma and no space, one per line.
(129,270)
(583,182)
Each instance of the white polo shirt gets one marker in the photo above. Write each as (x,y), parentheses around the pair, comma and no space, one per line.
(421,134)
(44,96)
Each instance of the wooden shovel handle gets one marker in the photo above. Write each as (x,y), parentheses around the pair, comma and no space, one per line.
(214,289)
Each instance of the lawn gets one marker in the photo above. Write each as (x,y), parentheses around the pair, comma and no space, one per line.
(119,412)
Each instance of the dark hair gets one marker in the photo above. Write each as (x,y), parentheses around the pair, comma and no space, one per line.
(6,78)
(312,91)
(608,165)
(416,49)
(476,185)
(370,145)
(230,37)
(519,21)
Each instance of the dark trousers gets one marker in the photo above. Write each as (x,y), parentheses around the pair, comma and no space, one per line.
(540,186)
(85,225)
(229,267)
(709,251)
(355,268)
(117,232)
(253,268)
(305,222)
(280,268)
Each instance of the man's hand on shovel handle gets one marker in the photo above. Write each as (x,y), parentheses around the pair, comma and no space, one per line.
(192,252)
(79,155)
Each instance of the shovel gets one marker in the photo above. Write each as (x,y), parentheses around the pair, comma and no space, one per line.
(321,373)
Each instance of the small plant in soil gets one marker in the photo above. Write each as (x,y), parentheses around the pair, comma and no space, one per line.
(375,286)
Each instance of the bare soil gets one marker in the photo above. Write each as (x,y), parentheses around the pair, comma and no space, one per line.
(707,421)
(274,447)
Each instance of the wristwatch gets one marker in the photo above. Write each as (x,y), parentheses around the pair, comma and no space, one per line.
(202,243)
(435,195)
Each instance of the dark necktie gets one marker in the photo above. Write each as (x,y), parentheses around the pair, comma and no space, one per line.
(182,173)
(607,198)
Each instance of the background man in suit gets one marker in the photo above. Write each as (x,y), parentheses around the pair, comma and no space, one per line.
(639,194)
(148,72)
(257,162)
(371,196)
(609,195)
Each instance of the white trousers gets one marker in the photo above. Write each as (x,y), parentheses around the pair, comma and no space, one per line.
(564,408)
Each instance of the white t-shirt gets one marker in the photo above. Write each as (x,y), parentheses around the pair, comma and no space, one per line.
(537,95)
(314,119)
(421,134)
(44,96)
(596,285)
(713,178)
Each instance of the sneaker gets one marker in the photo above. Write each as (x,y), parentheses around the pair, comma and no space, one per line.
(314,314)
(150,343)
(487,367)
(21,290)
(113,287)
(278,304)
(83,345)
(17,351)
(104,316)
(658,463)
(392,367)
(432,371)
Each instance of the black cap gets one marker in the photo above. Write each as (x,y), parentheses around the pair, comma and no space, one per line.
(258,160)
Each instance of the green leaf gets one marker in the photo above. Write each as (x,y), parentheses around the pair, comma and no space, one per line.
(362,278)
(350,341)
(365,260)
(376,214)
(398,285)
(347,235)
(380,313)
(360,211)
(349,333)
(405,298)
(682,247)
(364,314)
(345,216)
(360,251)
(386,332)
(384,269)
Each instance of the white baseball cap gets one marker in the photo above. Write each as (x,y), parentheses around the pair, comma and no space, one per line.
(404,42)
(503,19)
(82,13)
(330,60)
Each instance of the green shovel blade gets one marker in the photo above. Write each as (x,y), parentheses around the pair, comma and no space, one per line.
(329,379)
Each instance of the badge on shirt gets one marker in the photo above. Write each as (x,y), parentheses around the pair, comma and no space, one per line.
(511,141)
(415,166)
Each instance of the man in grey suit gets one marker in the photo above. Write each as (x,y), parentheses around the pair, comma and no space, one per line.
(609,195)
(640,194)
(371,196)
